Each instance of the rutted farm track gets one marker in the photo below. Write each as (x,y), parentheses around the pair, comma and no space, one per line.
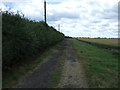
(72,73)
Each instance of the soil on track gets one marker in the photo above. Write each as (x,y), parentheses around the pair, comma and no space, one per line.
(72,74)
(39,77)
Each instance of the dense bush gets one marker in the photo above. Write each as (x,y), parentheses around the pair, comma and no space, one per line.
(23,38)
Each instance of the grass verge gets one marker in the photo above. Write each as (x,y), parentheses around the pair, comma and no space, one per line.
(56,76)
(14,76)
(101,66)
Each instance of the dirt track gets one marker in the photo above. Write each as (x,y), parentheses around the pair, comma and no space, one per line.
(72,75)
(39,77)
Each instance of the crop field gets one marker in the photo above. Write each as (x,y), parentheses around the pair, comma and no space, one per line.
(111,42)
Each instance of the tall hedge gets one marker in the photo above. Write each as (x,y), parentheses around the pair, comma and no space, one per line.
(23,38)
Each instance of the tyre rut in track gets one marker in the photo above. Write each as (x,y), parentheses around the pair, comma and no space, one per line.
(39,78)
(73,75)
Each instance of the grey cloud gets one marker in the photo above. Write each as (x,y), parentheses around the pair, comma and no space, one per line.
(107,13)
(116,31)
(86,30)
(110,13)
(53,0)
(105,25)
(96,21)
(59,15)
(119,10)
(84,21)
(94,3)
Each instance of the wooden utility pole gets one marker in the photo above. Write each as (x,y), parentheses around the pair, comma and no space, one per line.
(45,11)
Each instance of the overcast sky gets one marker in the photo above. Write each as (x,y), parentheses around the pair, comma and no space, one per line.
(78,18)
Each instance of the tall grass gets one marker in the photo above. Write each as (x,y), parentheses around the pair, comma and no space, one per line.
(23,38)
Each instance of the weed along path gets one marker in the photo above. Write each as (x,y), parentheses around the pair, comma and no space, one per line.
(71,76)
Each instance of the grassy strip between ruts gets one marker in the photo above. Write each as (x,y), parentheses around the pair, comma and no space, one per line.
(14,77)
(101,66)
(56,76)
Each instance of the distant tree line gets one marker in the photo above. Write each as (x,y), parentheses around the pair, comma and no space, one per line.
(22,38)
(96,38)
(68,37)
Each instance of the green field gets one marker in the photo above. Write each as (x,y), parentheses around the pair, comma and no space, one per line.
(111,42)
(101,66)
